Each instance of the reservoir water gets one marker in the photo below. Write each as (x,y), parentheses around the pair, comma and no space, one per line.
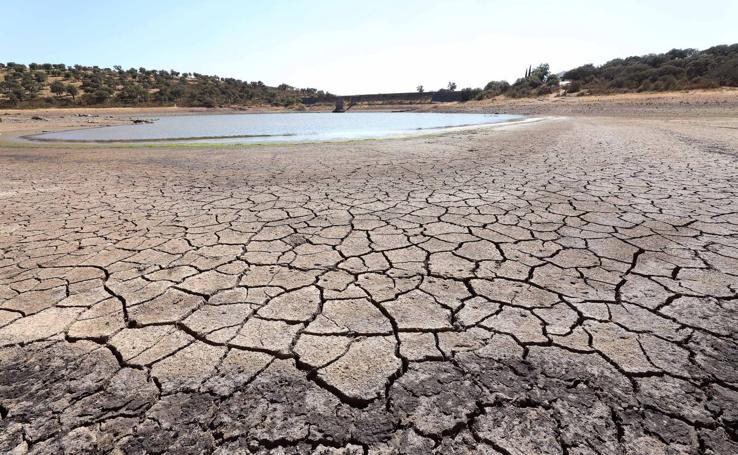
(277,127)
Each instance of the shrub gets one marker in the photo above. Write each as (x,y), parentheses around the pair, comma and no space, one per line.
(668,82)
(71,90)
(469,93)
(57,88)
(573,87)
(727,72)
(495,88)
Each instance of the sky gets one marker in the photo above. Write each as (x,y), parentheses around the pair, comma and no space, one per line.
(350,47)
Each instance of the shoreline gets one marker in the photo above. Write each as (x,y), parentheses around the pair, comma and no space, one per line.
(18,123)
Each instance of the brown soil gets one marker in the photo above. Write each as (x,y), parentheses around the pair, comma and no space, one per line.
(561,286)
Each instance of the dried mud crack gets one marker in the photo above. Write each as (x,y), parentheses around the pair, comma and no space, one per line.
(562,287)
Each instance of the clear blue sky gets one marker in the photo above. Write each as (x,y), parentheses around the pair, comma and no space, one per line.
(357,46)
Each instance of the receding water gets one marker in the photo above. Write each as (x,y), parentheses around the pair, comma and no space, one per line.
(280,127)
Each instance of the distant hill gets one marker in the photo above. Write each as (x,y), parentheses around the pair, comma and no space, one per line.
(677,69)
(47,85)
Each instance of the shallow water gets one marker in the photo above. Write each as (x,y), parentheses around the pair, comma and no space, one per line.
(278,127)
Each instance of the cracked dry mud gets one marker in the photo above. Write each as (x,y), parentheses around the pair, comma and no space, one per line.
(564,287)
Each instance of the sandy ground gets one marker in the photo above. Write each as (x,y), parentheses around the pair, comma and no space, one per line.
(691,103)
(562,287)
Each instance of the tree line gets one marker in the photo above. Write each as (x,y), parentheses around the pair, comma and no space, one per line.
(678,69)
(38,85)
(536,81)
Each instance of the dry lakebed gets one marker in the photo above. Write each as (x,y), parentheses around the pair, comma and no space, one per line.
(561,286)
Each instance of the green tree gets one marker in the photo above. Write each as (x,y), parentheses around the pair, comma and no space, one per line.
(133,93)
(495,88)
(553,80)
(13,90)
(71,90)
(99,96)
(57,88)
(469,93)
(31,86)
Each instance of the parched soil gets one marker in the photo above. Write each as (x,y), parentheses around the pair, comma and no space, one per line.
(562,287)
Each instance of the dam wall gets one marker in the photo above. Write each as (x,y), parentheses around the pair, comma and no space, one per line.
(444,96)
